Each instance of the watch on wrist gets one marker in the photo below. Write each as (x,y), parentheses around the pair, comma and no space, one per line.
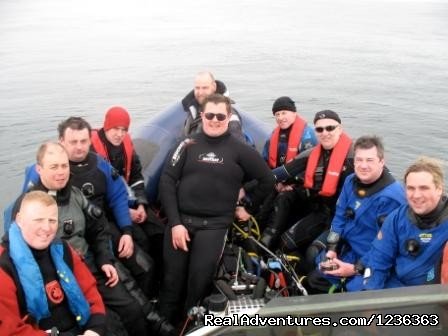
(359,268)
(52,332)
(244,202)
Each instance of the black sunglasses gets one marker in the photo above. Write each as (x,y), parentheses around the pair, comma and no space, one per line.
(219,116)
(329,128)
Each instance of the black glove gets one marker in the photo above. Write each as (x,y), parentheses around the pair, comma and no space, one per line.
(332,241)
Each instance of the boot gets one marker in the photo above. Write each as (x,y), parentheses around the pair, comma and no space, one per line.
(159,325)
(269,237)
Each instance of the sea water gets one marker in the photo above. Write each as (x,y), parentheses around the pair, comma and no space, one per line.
(381,64)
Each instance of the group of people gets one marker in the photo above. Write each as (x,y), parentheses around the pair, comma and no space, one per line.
(94,177)
(84,252)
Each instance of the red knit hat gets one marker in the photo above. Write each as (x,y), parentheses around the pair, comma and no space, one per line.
(116,117)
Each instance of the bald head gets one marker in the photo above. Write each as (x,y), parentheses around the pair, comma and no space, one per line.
(204,86)
(49,148)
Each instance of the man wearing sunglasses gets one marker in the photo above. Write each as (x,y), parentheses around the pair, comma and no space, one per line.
(199,188)
(319,174)
(205,85)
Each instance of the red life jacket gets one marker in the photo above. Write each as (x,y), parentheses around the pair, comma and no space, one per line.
(295,136)
(101,149)
(444,267)
(331,179)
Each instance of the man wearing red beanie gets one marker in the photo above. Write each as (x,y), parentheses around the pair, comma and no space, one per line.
(114,144)
(116,117)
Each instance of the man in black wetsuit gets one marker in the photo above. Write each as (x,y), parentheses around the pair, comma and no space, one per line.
(199,189)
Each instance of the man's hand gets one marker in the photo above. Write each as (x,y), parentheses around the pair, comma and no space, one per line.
(111,275)
(125,246)
(90,333)
(138,215)
(241,214)
(344,269)
(180,237)
(280,187)
(241,194)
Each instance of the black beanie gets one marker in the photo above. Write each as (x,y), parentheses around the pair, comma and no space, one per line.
(327,114)
(284,103)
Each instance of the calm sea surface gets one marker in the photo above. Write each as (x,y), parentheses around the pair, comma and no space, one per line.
(383,65)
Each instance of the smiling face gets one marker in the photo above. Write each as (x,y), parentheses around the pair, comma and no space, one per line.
(422,193)
(38,222)
(214,127)
(368,165)
(328,138)
(285,118)
(53,167)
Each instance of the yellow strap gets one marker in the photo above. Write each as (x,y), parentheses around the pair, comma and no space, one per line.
(292,257)
(244,234)
(255,231)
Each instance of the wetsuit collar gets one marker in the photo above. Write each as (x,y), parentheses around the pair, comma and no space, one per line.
(432,219)
(62,196)
(365,190)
